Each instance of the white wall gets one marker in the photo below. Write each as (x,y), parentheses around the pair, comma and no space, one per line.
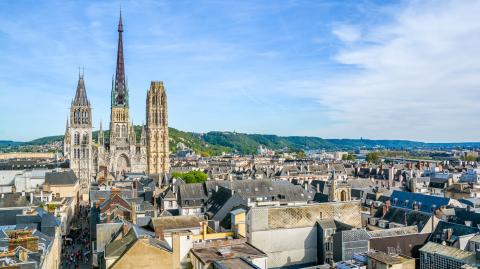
(287,246)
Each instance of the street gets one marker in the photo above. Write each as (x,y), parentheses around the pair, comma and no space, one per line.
(76,246)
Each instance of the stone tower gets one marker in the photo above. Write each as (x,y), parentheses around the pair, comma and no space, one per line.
(339,190)
(78,136)
(158,161)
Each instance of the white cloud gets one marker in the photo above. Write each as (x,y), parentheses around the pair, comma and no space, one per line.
(347,33)
(417,77)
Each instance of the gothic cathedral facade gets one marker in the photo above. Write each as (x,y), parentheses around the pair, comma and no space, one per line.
(123,152)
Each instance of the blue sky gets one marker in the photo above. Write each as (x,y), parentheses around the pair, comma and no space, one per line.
(334,69)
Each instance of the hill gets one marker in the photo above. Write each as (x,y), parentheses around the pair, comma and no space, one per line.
(215,142)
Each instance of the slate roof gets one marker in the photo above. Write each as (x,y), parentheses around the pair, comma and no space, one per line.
(193,193)
(427,202)
(438,235)
(17,200)
(406,217)
(67,177)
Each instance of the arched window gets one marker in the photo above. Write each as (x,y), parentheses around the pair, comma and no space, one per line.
(117,130)
(85,139)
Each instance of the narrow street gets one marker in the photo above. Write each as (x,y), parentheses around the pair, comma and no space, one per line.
(76,247)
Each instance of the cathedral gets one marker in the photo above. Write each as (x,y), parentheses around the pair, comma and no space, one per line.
(122,153)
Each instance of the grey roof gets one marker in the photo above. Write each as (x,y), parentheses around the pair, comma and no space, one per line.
(327,224)
(17,200)
(355,235)
(407,217)
(66,177)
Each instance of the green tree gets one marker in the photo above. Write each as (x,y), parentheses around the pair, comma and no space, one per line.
(373,157)
(469,158)
(191,176)
(300,154)
(348,157)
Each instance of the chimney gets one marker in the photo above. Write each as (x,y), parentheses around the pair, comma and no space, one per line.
(108,215)
(386,207)
(318,188)
(31,198)
(449,233)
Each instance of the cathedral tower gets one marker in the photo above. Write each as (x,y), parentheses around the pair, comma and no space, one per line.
(78,136)
(158,161)
(119,118)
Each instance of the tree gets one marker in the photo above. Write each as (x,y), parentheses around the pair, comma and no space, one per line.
(373,157)
(469,158)
(191,176)
(348,157)
(300,154)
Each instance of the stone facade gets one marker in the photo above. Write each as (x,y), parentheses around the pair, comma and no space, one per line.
(157,129)
(77,146)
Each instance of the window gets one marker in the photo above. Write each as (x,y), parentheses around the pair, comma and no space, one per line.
(76,138)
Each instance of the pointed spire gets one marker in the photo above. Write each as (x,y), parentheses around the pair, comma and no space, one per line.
(120,24)
(67,126)
(120,85)
(81,94)
(101,139)
(143,136)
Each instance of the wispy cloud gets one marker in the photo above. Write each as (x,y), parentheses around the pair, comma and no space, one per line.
(416,77)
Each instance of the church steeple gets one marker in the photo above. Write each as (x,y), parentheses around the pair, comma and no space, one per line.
(120,90)
(81,94)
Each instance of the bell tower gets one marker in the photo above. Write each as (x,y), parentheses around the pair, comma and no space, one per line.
(158,161)
(78,136)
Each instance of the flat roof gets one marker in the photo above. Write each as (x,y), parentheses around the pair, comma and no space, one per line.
(227,251)
(388,258)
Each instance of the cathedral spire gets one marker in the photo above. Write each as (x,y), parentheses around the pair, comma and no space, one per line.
(101,138)
(81,94)
(120,85)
